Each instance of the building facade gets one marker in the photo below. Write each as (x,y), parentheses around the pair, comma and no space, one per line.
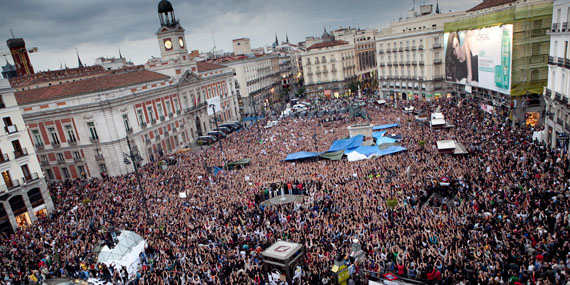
(329,64)
(530,20)
(557,93)
(365,52)
(79,127)
(24,196)
(410,56)
(257,80)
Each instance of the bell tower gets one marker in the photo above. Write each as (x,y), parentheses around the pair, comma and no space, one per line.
(170,35)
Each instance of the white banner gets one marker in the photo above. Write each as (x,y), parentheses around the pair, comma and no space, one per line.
(480,57)
(216,102)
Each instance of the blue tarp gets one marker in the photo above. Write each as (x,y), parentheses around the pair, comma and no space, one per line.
(352,142)
(381,127)
(383,140)
(253,118)
(374,150)
(301,155)
(216,170)
(377,135)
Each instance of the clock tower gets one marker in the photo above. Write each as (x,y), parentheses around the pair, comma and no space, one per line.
(170,35)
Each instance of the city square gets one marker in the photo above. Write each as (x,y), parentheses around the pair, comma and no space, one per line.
(343,159)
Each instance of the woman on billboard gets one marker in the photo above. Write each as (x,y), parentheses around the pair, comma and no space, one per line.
(460,63)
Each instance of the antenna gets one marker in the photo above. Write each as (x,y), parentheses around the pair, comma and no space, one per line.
(214,41)
(12,32)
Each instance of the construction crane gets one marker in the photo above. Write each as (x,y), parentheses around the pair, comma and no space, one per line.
(30,50)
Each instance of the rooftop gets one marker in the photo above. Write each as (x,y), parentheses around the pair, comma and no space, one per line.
(327,44)
(490,3)
(117,79)
(204,66)
(56,75)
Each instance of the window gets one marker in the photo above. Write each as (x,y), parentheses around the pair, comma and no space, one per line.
(92,130)
(26,172)
(2,103)
(126,122)
(168,109)
(70,133)
(534,75)
(65,173)
(150,113)
(76,155)
(37,138)
(44,158)
(103,168)
(175,104)
(140,115)
(537,24)
(53,134)
(81,170)
(160,110)
(49,174)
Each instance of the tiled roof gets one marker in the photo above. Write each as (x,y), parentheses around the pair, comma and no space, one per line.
(57,75)
(207,66)
(327,44)
(490,3)
(94,84)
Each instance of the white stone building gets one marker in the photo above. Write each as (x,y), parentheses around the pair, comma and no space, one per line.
(79,127)
(410,56)
(557,94)
(23,191)
(328,63)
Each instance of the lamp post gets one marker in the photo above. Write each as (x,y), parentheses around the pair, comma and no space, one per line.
(134,157)
(221,147)
(255,114)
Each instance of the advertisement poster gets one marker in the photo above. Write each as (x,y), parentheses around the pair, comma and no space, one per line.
(480,57)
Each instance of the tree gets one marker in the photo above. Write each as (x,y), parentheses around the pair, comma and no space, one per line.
(422,143)
(301,91)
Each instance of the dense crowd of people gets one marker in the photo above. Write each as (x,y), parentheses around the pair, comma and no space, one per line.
(507,221)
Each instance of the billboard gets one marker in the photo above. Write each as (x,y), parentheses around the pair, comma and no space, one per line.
(480,57)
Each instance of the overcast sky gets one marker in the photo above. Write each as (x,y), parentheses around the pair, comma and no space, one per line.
(98,27)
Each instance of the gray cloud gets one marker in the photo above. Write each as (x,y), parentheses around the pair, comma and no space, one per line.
(97,27)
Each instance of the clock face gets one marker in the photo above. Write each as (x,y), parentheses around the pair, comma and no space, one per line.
(167,44)
(181,42)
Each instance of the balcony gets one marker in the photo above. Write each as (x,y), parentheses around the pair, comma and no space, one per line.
(567,63)
(557,97)
(401,49)
(437,61)
(379,52)
(389,63)
(23,152)
(178,112)
(436,45)
(407,48)
(44,162)
(408,62)
(551,60)
(560,61)
(395,49)
(55,144)
(77,159)
(161,118)
(324,60)
(334,70)
(60,160)
(15,184)
(39,146)
(548,93)
(414,62)
(93,140)
(4,157)
(438,77)
(554,27)
(388,50)
(421,47)
(11,129)
(152,121)
(401,62)
(333,60)
(72,142)
(414,48)
(564,27)
(99,157)
(421,62)
(382,64)
(32,177)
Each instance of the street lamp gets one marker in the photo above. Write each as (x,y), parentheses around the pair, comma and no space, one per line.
(255,115)
(221,147)
(134,157)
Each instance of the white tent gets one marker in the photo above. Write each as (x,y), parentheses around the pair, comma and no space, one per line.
(125,252)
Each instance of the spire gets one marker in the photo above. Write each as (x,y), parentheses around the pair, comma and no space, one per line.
(120,55)
(437,7)
(79,63)
(325,29)
(276,40)
(286,38)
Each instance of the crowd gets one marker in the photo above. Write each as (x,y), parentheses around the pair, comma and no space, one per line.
(508,223)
